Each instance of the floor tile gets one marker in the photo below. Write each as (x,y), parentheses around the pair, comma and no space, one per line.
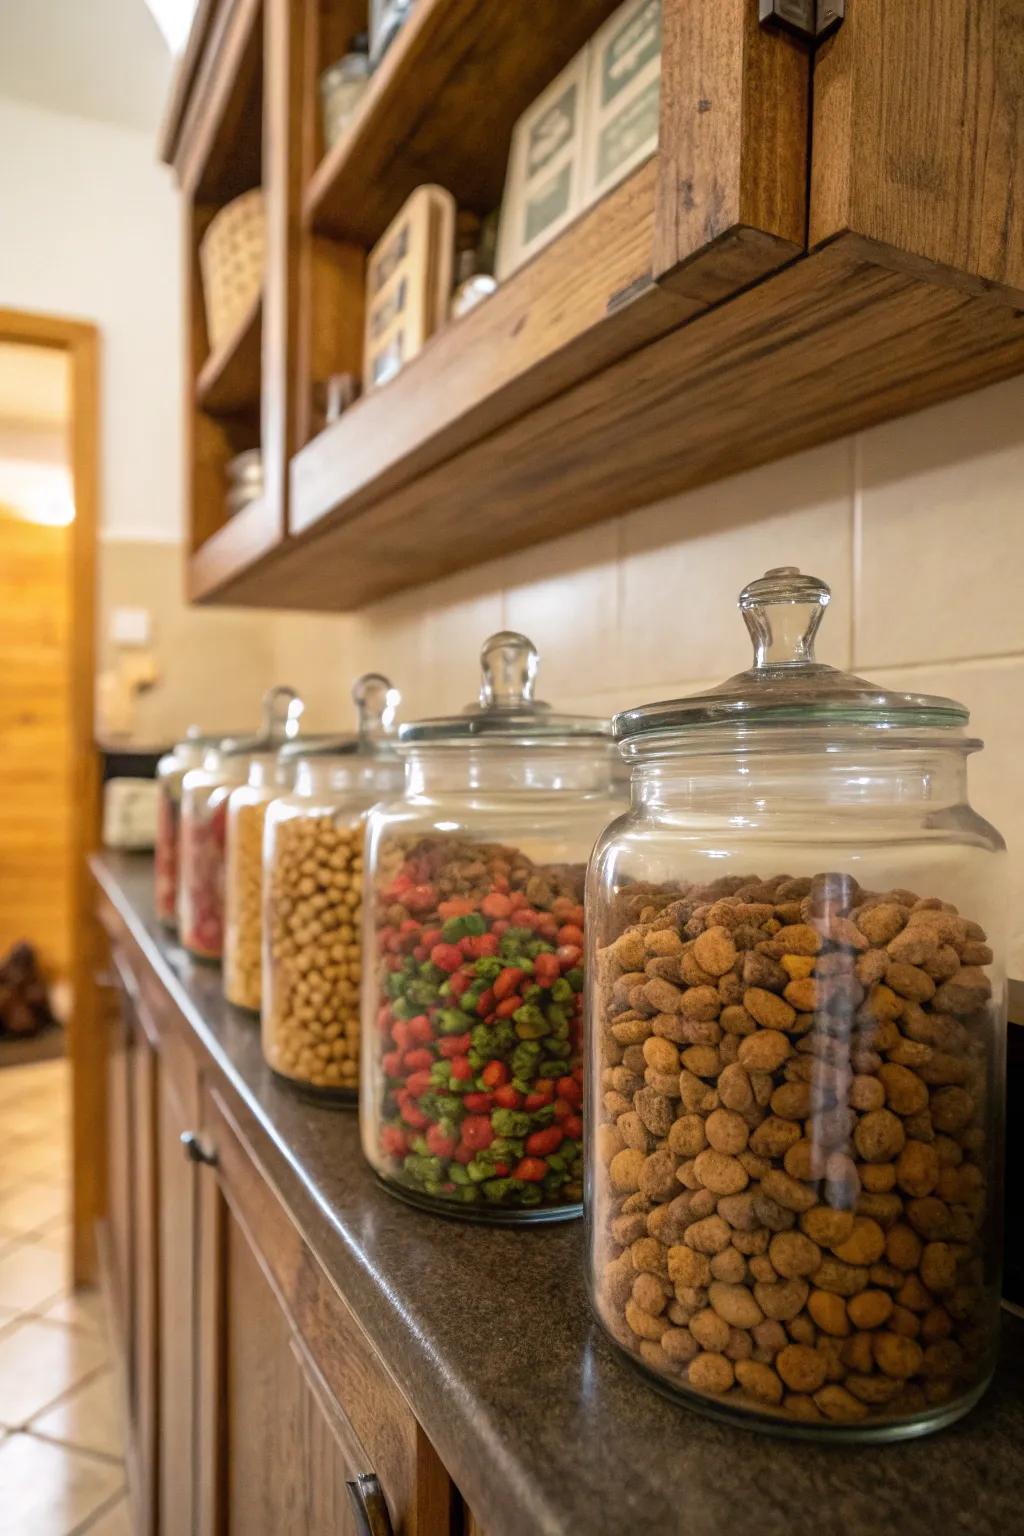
(78,1309)
(88,1417)
(48,1490)
(30,1275)
(33,1206)
(56,1238)
(39,1362)
(115,1521)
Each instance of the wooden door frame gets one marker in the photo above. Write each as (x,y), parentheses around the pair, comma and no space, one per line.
(79,341)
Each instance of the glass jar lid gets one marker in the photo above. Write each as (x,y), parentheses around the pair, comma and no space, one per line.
(280,712)
(506,711)
(786,686)
(376,700)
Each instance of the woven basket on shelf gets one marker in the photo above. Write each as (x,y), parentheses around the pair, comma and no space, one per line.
(231,255)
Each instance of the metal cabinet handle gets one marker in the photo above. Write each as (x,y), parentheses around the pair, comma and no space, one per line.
(371,1512)
(196,1151)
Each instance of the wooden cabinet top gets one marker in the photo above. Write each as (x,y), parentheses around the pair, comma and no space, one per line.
(489,1337)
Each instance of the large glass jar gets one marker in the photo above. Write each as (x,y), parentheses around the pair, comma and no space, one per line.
(313,891)
(248,804)
(170,775)
(796,1047)
(472,1020)
(204,811)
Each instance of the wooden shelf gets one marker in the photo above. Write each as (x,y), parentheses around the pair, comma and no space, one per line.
(236,548)
(402,136)
(583,302)
(229,380)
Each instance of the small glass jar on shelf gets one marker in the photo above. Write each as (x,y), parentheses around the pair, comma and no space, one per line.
(472,1070)
(312,907)
(796,1047)
(204,811)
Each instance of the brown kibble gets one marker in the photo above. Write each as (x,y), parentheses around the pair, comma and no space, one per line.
(701,1060)
(648,1254)
(844,1279)
(708,1236)
(727,1131)
(917,1169)
(792,1101)
(881,923)
(903,1248)
(643,1324)
(658,1175)
(910,981)
(735,1089)
(952,1110)
(865,1244)
(774,1137)
(711,1372)
(687,1136)
(967,992)
(791,1194)
(904,1091)
(715,951)
(794,1255)
(735,1303)
(649,1293)
(839,1405)
(679,1345)
(826,1226)
(938,1267)
(770,1011)
(801,1367)
(661,1054)
(877,1178)
(687,1267)
(719,1172)
(730,1266)
(829,1312)
(879,1136)
(710,1330)
(781,1300)
(798,939)
(805,1160)
(656,1110)
(896,1356)
(870,1309)
(760,1381)
(625,1169)
(929,1217)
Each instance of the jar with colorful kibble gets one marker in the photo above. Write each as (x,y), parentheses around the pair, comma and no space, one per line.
(471,1087)
(313,893)
(204,814)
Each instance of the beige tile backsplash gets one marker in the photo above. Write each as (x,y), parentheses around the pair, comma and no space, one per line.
(917,525)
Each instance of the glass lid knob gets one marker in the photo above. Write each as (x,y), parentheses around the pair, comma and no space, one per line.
(782,611)
(508,665)
(376,702)
(282,710)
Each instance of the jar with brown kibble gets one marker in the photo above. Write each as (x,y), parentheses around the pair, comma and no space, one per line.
(796,1006)
(204,822)
(243,895)
(312,898)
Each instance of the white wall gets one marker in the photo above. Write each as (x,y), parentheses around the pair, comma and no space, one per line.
(91,230)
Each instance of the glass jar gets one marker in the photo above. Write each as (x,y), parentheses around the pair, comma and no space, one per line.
(170,774)
(796,1047)
(313,881)
(204,810)
(342,87)
(268,778)
(472,1023)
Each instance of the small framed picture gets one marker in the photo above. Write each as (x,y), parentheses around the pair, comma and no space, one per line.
(624,96)
(408,283)
(544,186)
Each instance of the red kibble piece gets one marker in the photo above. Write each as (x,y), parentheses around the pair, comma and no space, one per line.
(485,1003)
(477,1132)
(562,1109)
(569,1088)
(413,1115)
(508,981)
(447,957)
(494,1074)
(420,898)
(455,906)
(455,1045)
(479,1103)
(393,1141)
(570,934)
(419,1060)
(400,1034)
(496,905)
(508,1005)
(573,1128)
(391,1061)
(507,1097)
(542,1143)
(530,1169)
(460,982)
(569,956)
(439,1144)
(421,1029)
(462,1069)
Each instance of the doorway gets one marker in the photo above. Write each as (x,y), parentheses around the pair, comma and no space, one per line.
(49,777)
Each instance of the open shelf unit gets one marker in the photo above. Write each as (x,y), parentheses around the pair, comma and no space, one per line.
(825,237)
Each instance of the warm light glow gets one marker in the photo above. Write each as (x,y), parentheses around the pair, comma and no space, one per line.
(37,493)
(174,18)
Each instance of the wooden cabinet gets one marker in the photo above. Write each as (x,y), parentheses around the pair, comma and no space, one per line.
(829,234)
(256,1405)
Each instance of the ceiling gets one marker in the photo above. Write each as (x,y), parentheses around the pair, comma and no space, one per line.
(103,59)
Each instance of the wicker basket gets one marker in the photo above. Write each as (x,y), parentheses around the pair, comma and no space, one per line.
(231,255)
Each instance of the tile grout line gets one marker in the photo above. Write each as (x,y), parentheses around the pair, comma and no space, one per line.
(105,1508)
(108,1458)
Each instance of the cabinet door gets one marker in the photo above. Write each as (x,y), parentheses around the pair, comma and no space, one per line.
(918,145)
(293,1404)
(118,1237)
(177,1244)
(144,1284)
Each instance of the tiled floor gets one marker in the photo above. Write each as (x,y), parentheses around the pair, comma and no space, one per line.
(61,1467)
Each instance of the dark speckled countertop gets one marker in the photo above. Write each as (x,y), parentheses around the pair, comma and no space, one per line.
(489,1334)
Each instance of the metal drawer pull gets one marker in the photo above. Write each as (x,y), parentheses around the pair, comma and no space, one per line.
(371,1512)
(195,1151)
